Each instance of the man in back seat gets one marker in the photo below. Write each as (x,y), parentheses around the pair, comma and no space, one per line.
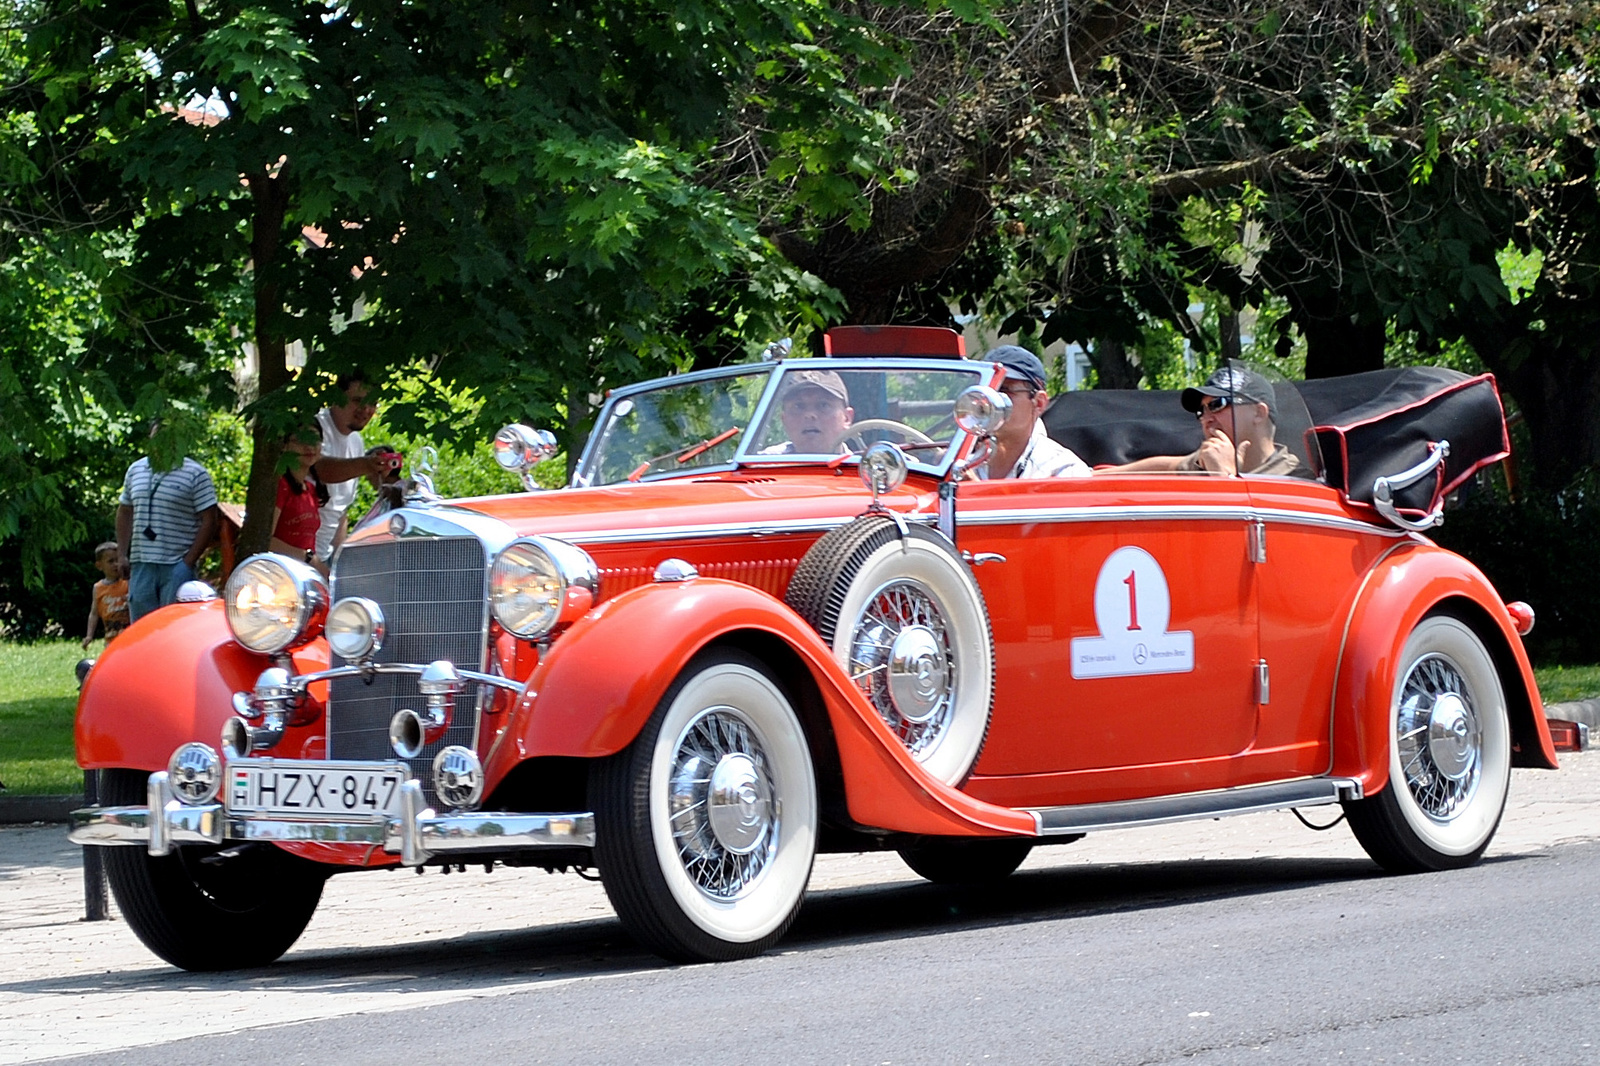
(1237,409)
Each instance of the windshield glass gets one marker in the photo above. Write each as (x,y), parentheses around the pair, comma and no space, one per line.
(678,427)
(814,409)
(827,409)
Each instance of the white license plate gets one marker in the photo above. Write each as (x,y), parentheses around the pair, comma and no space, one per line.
(315,789)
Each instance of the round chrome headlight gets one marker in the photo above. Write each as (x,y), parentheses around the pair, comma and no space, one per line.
(538,583)
(195,773)
(981,410)
(355,628)
(275,603)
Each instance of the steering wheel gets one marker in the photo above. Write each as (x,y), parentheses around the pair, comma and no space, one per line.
(853,435)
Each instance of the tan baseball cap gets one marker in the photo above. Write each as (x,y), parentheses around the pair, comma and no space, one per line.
(826,380)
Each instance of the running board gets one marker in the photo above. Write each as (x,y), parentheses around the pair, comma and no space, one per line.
(1128,814)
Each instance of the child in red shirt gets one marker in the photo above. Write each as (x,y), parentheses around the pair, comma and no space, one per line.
(109,600)
(296,517)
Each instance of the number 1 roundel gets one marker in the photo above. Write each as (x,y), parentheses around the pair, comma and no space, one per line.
(1132,607)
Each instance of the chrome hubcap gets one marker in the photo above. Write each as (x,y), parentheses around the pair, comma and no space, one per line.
(1440,740)
(740,804)
(1450,737)
(917,676)
(901,658)
(723,804)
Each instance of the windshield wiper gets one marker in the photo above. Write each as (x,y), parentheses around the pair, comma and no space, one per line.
(683,455)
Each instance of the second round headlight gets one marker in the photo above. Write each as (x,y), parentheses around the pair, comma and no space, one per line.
(538,583)
(275,603)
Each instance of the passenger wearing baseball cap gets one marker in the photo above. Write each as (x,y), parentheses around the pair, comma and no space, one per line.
(1238,411)
(1022,449)
(815,408)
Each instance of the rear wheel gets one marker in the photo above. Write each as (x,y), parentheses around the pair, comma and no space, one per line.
(706,824)
(209,908)
(1449,755)
(965,860)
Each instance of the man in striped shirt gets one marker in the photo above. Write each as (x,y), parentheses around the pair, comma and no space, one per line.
(165,520)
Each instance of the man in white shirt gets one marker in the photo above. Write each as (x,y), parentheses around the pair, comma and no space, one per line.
(1022,449)
(344,460)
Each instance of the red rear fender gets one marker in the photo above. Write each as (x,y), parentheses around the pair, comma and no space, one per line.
(1405,586)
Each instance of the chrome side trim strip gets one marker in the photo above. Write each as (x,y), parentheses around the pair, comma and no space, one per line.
(1250,799)
(1165,512)
(967,516)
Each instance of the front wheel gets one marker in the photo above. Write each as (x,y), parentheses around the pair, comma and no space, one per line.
(1449,756)
(206,908)
(706,824)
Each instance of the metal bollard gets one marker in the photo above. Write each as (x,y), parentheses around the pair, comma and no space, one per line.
(94,874)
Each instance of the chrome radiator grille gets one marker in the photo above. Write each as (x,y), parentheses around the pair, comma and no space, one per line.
(432,593)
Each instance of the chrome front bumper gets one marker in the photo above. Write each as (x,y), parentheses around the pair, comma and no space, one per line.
(417,835)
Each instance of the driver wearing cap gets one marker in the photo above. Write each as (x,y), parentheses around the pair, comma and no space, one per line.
(815,408)
(1022,449)
(1237,409)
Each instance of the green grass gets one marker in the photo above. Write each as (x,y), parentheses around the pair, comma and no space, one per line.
(38,694)
(1562,684)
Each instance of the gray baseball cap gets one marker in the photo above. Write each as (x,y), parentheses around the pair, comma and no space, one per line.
(826,380)
(1020,364)
(1236,383)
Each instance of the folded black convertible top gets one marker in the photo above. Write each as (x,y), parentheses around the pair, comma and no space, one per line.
(1365,426)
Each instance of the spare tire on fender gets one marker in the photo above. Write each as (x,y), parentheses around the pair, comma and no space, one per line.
(906,620)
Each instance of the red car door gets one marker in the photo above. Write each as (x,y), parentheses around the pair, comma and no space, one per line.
(1125,627)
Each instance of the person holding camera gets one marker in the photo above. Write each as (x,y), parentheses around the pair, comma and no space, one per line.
(345,461)
(165,521)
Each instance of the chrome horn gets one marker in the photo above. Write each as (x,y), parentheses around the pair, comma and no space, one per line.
(410,731)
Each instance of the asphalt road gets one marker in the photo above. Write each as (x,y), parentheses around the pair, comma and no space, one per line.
(1244,940)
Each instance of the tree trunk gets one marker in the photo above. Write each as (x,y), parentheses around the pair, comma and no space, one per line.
(1338,345)
(269,205)
(1112,367)
(1558,393)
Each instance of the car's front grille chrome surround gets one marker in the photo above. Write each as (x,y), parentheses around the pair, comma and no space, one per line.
(433,592)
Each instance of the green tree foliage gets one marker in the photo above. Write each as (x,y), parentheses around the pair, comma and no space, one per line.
(512,195)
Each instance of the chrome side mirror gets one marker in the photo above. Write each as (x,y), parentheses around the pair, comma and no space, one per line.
(980,411)
(518,449)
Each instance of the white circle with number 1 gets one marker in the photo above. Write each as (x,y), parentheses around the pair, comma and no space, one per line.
(1130,595)
(1132,607)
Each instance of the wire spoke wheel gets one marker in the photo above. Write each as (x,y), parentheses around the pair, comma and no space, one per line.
(1439,738)
(905,618)
(724,814)
(902,659)
(706,824)
(1449,755)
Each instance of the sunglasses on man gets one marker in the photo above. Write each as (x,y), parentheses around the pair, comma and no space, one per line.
(1213,405)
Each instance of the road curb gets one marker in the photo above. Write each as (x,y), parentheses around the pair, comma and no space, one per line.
(1585,711)
(21,810)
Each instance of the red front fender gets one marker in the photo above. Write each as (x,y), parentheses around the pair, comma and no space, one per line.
(170,679)
(605,676)
(1407,584)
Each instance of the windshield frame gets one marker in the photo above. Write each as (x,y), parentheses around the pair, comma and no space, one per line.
(983,373)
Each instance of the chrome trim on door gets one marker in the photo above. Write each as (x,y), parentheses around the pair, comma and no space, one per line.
(1158,810)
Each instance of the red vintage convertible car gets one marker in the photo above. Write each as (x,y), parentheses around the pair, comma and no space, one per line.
(734,641)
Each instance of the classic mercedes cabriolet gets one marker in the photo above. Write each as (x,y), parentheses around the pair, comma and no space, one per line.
(777,611)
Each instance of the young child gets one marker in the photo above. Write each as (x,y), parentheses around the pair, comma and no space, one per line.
(110,597)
